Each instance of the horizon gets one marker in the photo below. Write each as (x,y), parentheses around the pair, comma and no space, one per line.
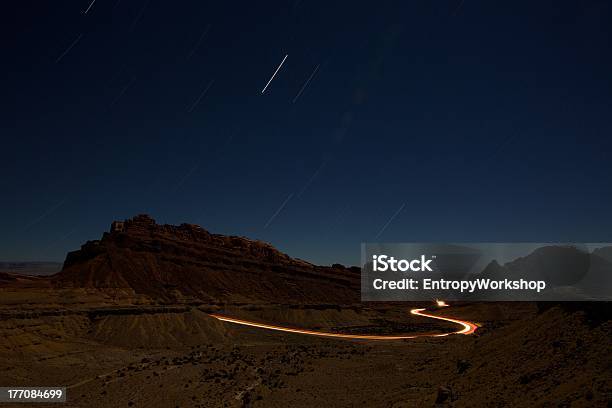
(497,257)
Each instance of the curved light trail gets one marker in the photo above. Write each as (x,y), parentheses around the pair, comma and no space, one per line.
(467,328)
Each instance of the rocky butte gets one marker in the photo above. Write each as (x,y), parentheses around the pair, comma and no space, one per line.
(170,263)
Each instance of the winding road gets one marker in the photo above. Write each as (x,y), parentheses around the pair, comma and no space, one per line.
(466,327)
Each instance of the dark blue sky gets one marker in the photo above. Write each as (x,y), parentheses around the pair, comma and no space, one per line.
(481,121)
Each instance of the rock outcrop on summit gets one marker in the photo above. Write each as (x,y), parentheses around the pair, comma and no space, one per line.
(170,263)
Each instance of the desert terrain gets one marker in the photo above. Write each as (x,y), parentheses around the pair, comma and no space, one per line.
(130,322)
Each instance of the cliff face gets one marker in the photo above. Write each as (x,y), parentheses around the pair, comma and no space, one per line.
(168,262)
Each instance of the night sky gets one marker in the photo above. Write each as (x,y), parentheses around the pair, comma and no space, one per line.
(388,121)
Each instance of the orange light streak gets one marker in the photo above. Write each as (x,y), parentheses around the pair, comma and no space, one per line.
(467,328)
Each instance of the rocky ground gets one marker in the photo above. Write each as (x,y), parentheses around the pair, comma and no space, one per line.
(127,323)
(519,357)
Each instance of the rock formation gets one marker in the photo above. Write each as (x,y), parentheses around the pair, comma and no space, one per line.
(168,262)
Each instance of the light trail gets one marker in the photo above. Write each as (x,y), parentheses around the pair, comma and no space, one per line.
(306,83)
(91,4)
(441,303)
(274,74)
(467,328)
